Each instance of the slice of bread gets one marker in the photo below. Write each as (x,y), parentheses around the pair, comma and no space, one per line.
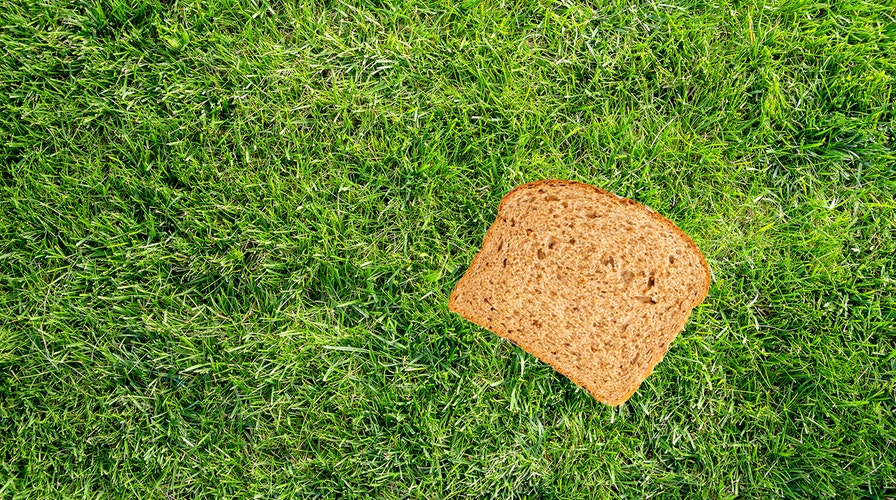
(593,284)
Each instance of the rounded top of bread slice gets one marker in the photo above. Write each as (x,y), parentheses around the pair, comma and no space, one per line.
(593,284)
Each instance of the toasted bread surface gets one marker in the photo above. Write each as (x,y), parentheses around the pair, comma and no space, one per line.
(593,284)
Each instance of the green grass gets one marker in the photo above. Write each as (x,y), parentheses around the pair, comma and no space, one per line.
(228,232)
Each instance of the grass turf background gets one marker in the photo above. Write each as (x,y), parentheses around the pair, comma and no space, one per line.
(228,231)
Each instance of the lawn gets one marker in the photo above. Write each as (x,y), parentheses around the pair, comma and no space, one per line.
(228,232)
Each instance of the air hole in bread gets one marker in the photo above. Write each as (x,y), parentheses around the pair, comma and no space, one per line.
(650,282)
(591,215)
(541,254)
(550,197)
(572,241)
(565,205)
(500,245)
(551,242)
(628,276)
(671,259)
(608,261)
(504,264)
(512,222)
(528,232)
(644,299)
(536,323)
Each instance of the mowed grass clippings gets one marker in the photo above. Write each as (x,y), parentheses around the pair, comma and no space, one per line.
(228,231)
